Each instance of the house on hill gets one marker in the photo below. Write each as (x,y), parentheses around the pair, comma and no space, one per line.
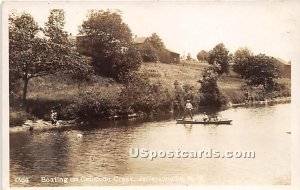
(164,55)
(140,40)
(83,45)
(283,67)
(72,40)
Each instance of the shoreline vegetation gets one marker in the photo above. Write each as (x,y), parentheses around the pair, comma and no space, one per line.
(47,92)
(42,125)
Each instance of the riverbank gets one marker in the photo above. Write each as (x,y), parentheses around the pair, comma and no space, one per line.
(41,125)
(103,97)
(264,102)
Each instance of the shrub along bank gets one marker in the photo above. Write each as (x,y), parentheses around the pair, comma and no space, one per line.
(145,93)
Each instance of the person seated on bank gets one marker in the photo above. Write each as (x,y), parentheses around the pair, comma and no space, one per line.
(188,110)
(205,117)
(53,116)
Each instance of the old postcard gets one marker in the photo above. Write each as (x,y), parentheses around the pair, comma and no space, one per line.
(150,94)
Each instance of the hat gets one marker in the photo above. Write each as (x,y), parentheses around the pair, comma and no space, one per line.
(188,100)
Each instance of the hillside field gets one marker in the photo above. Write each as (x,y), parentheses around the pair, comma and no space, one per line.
(56,88)
(53,90)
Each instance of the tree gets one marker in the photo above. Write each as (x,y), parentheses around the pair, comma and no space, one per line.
(126,63)
(241,60)
(55,27)
(219,55)
(261,71)
(73,65)
(156,42)
(148,53)
(31,56)
(110,41)
(209,91)
(24,48)
(179,97)
(189,57)
(202,56)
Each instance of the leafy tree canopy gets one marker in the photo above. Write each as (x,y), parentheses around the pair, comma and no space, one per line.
(189,57)
(156,42)
(148,53)
(241,60)
(111,43)
(32,56)
(202,56)
(261,71)
(55,27)
(219,55)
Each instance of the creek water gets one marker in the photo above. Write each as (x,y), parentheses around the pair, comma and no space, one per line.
(101,155)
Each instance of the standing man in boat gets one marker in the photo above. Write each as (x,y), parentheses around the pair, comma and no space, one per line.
(188,110)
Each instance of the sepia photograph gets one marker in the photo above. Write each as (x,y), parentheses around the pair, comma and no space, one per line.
(156,93)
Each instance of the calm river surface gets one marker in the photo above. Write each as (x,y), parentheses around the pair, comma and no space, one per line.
(101,156)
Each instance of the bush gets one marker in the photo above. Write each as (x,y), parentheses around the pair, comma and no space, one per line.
(235,96)
(69,112)
(210,95)
(41,107)
(183,93)
(148,53)
(93,104)
(18,117)
(140,95)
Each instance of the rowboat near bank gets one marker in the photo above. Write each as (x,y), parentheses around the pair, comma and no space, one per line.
(219,122)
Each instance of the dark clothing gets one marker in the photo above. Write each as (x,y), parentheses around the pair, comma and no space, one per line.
(53,122)
(188,112)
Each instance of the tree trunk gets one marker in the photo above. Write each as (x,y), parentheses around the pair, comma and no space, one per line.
(25,90)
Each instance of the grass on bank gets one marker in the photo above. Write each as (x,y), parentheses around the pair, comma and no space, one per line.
(44,93)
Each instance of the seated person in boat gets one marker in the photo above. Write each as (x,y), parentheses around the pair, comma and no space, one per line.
(205,117)
(188,110)
(215,118)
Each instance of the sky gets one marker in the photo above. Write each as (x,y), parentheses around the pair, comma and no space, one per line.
(272,28)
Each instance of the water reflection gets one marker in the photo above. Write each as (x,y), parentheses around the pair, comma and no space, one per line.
(104,147)
(188,127)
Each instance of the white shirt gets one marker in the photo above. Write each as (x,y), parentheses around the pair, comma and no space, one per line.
(189,106)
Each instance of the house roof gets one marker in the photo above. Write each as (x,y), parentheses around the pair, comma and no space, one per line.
(72,37)
(282,61)
(171,51)
(139,40)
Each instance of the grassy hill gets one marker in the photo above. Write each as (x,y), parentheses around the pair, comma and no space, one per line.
(44,93)
(190,73)
(56,88)
(184,73)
